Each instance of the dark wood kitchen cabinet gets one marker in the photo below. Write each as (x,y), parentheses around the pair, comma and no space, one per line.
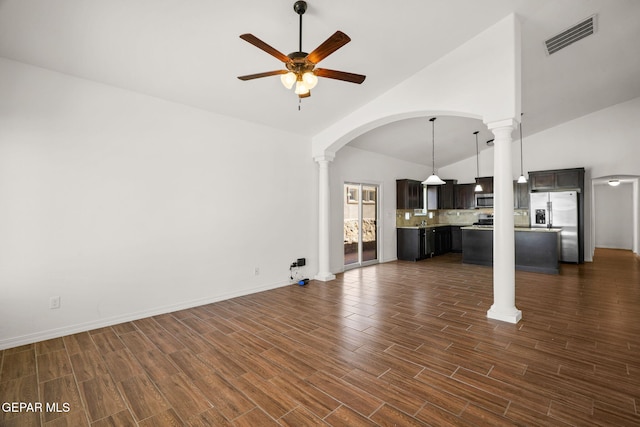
(556,180)
(415,244)
(410,244)
(487,184)
(541,181)
(464,196)
(446,194)
(409,194)
(456,238)
(520,195)
(442,238)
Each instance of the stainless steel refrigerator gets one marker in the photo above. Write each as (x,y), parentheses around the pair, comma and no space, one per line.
(558,209)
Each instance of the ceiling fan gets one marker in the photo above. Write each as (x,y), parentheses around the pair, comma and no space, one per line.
(301,66)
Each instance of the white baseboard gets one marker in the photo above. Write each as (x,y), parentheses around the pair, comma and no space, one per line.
(110,321)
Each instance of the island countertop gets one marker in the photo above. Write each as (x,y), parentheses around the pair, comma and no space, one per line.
(532,229)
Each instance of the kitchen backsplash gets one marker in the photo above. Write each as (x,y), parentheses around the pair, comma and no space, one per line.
(408,218)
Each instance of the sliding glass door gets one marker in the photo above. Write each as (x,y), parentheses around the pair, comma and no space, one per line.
(360,224)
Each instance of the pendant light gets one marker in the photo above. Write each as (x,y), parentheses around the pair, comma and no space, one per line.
(614,182)
(522,179)
(433,179)
(478,187)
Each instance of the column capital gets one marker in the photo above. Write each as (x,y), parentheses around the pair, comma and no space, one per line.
(506,123)
(327,156)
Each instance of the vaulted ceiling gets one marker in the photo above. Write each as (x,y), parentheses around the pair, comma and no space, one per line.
(190,53)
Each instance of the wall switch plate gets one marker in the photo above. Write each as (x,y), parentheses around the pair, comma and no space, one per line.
(54,303)
(256,271)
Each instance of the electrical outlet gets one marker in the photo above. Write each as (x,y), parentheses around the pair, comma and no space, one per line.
(54,303)
(256,271)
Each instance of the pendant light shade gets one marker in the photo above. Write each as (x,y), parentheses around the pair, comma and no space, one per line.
(522,178)
(433,179)
(478,187)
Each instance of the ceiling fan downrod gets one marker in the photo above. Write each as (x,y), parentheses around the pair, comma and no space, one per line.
(300,7)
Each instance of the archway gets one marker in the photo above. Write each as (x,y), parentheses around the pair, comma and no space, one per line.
(480,79)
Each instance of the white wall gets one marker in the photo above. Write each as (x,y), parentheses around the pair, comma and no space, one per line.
(355,165)
(605,143)
(126,205)
(613,216)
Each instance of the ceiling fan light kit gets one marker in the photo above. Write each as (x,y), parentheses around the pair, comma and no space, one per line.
(301,66)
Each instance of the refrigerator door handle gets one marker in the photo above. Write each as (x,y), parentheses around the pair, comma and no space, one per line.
(550,209)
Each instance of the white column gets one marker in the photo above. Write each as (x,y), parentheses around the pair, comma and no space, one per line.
(324,273)
(504,292)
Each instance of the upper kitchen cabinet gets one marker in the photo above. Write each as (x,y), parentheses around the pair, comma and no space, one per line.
(559,179)
(464,196)
(409,194)
(520,195)
(487,184)
(446,196)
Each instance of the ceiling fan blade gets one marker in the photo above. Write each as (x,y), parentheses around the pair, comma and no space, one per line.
(339,75)
(262,45)
(333,43)
(259,75)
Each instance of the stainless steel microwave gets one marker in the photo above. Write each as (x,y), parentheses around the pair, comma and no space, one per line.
(484,200)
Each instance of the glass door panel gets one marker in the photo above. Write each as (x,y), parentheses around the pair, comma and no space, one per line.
(369,223)
(360,224)
(351,224)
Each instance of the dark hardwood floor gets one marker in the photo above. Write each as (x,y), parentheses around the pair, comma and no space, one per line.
(398,343)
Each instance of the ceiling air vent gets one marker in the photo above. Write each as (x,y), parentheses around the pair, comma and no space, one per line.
(571,35)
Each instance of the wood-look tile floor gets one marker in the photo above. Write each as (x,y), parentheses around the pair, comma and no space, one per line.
(393,344)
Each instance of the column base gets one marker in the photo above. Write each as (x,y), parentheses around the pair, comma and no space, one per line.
(324,277)
(512,315)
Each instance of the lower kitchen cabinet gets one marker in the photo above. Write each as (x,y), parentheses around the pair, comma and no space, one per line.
(415,243)
(456,238)
(442,240)
(410,244)
(419,243)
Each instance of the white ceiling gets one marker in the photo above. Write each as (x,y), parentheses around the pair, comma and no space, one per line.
(189,52)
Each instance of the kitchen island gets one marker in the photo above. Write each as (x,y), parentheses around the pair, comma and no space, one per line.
(536,249)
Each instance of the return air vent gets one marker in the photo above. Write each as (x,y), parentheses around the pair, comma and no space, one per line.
(577,32)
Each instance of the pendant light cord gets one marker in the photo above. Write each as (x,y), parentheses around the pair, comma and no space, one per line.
(521,167)
(477,156)
(433,145)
